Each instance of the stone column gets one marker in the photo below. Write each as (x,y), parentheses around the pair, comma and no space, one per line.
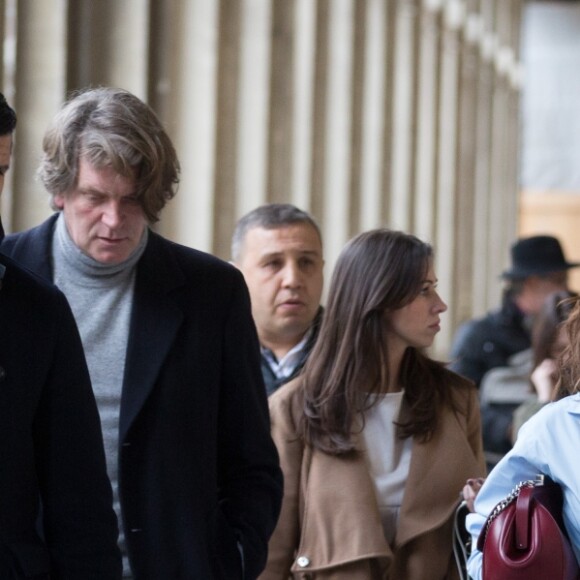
(40,88)
(404,109)
(427,119)
(446,196)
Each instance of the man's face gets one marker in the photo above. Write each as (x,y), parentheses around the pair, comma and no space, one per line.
(5,152)
(537,288)
(103,216)
(283,271)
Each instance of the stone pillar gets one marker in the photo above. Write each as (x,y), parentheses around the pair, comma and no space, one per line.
(337,117)
(192,122)
(303,77)
(40,87)
(446,197)
(373,114)
(467,153)
(403,128)
(481,278)
(427,117)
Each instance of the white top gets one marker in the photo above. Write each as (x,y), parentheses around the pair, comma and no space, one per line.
(388,457)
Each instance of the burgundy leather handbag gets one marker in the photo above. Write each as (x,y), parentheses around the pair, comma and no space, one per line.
(524,536)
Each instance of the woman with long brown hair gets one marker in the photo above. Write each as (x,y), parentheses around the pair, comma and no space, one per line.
(376,439)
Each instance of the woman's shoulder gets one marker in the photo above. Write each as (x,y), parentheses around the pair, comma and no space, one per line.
(559,416)
(451,376)
(459,394)
(567,406)
(461,388)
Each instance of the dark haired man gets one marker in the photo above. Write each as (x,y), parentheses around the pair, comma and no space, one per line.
(170,344)
(278,248)
(56,514)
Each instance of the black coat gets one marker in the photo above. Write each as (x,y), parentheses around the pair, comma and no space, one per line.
(489,342)
(198,471)
(50,442)
(484,344)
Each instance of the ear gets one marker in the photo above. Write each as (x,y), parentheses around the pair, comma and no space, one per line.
(58,201)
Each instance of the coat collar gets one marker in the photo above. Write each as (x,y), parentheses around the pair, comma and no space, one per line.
(155,320)
(34,248)
(341,521)
(437,474)
(574,404)
(341,514)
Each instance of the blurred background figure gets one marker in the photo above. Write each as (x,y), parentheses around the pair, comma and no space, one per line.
(538,268)
(546,444)
(495,351)
(549,339)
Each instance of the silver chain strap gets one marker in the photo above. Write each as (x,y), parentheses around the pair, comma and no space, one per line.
(508,500)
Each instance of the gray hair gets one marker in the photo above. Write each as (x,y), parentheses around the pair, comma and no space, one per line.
(111,127)
(270,216)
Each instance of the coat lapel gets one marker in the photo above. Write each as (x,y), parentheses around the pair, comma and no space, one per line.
(34,249)
(155,320)
(341,514)
(437,474)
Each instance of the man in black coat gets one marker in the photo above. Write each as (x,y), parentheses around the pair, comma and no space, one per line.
(170,344)
(56,515)
(278,248)
(502,337)
(538,268)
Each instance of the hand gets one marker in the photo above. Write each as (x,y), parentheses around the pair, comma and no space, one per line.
(470,491)
(542,378)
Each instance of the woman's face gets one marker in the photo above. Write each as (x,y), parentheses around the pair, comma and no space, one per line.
(417,323)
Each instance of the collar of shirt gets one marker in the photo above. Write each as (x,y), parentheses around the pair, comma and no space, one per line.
(284,367)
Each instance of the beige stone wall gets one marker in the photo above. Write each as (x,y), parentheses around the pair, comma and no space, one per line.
(556,213)
(399,113)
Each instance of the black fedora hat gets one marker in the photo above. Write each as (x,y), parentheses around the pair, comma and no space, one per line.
(536,256)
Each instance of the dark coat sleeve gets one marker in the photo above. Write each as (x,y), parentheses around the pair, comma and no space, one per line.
(250,478)
(51,441)
(79,523)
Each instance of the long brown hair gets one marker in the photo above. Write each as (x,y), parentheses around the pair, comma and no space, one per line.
(377,272)
(569,382)
(546,330)
(548,323)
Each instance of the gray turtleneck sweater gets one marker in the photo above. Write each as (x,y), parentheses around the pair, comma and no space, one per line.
(101,297)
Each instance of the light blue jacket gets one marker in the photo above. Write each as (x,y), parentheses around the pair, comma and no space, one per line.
(548,443)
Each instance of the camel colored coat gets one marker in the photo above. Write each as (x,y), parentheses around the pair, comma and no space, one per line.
(330,527)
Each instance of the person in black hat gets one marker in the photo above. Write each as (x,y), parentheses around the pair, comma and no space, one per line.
(502,338)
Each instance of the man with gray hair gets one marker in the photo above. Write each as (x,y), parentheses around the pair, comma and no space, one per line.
(170,343)
(278,248)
